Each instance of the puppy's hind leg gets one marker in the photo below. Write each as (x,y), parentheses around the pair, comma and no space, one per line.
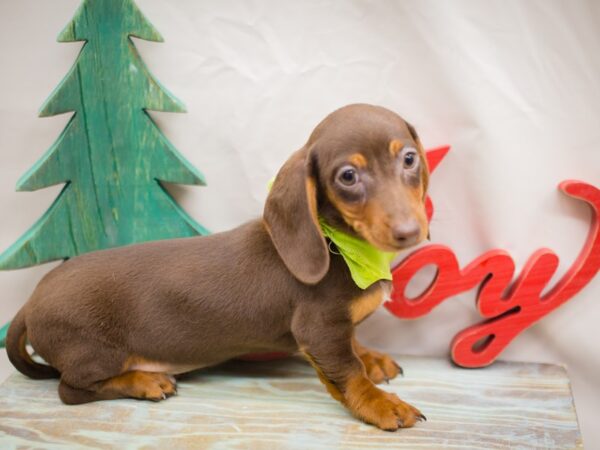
(135,384)
(92,371)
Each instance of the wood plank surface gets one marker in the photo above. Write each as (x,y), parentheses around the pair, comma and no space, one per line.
(281,404)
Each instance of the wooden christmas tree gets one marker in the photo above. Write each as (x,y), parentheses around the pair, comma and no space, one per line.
(111,156)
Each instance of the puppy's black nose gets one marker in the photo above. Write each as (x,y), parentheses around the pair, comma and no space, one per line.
(407,232)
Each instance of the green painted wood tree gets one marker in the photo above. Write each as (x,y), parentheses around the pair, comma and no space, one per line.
(111,156)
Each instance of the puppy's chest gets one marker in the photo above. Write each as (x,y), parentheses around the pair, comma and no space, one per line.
(365,304)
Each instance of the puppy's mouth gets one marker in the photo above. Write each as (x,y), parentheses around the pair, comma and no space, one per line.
(389,237)
(390,244)
(395,247)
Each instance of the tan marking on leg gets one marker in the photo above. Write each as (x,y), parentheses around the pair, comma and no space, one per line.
(137,384)
(379,366)
(331,388)
(135,362)
(382,409)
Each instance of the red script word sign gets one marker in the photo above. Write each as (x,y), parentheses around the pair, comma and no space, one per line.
(508,307)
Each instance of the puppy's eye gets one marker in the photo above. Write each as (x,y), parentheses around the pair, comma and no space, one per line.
(409,159)
(348,176)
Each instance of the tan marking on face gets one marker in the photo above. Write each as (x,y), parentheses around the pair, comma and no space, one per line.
(140,363)
(374,226)
(363,306)
(349,212)
(358,160)
(371,219)
(368,220)
(417,206)
(395,146)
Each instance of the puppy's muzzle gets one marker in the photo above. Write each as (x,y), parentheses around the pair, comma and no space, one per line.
(406,233)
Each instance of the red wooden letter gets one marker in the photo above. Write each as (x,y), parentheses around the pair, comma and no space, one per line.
(510,310)
(434,157)
(480,345)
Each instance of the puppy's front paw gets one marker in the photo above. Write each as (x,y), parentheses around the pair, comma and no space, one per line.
(384,410)
(380,367)
(398,414)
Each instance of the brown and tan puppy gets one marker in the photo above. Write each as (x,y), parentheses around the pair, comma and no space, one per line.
(121,322)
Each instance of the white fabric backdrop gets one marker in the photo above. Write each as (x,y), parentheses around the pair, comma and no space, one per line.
(514,87)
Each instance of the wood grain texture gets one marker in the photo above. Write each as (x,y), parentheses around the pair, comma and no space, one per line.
(111,156)
(281,404)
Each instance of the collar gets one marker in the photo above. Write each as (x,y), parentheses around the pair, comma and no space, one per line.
(367,264)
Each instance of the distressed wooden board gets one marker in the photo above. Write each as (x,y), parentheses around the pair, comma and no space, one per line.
(281,404)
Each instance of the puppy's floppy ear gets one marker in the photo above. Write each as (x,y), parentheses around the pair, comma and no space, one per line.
(424,166)
(290,217)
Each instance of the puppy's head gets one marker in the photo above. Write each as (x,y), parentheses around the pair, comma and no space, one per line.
(364,171)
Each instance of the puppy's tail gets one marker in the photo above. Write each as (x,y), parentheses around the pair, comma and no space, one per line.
(16,341)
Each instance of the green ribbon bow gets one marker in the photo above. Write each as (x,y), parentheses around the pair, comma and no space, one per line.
(367,264)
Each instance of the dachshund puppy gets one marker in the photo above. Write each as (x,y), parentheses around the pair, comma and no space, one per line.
(121,322)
